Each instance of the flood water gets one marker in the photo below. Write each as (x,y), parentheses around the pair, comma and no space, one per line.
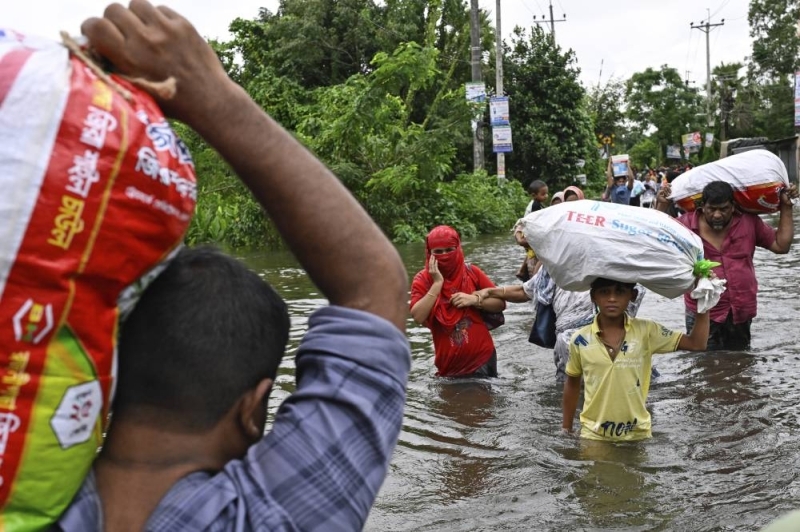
(488,454)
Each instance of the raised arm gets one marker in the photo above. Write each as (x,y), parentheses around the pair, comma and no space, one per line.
(422,308)
(785,232)
(337,243)
(662,198)
(609,175)
(630,176)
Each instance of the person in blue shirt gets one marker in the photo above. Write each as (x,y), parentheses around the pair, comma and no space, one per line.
(199,354)
(619,187)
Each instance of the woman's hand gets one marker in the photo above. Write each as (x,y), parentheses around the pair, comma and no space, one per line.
(462,300)
(433,269)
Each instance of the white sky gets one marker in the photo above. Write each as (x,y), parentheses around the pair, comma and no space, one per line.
(626,35)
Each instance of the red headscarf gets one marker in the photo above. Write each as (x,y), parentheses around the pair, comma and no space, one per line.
(454,271)
(578,192)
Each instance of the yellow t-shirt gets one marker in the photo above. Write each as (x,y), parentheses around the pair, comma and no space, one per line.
(615,391)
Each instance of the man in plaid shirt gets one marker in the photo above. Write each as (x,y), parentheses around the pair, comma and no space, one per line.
(199,354)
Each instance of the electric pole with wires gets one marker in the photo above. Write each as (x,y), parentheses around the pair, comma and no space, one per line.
(706,28)
(552,21)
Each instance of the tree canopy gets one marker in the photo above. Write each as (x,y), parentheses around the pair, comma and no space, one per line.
(376,90)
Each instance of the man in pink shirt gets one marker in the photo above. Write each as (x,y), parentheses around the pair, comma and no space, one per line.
(730,237)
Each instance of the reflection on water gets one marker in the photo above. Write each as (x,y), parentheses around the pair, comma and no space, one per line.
(488,454)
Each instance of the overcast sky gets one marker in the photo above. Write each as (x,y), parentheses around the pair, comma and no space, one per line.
(625,36)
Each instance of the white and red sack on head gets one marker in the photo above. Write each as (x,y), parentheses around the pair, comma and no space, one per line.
(97,190)
(757,178)
(580,241)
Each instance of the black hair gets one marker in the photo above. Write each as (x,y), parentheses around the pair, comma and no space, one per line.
(206,331)
(602,282)
(570,193)
(536,186)
(672,175)
(717,193)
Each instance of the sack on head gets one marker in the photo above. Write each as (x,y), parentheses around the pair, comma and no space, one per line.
(757,176)
(98,190)
(581,241)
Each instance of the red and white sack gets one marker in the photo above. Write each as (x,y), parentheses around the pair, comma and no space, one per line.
(97,191)
(580,241)
(757,178)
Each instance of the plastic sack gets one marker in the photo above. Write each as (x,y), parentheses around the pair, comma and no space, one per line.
(580,241)
(757,177)
(707,293)
(97,191)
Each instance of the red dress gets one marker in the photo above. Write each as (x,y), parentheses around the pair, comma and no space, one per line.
(461,341)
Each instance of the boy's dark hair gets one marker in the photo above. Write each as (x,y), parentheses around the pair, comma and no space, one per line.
(536,186)
(204,332)
(602,282)
(717,193)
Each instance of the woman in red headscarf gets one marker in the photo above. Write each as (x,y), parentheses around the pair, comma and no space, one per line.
(443,299)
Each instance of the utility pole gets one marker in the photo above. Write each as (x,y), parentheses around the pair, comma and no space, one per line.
(552,21)
(475,61)
(498,61)
(706,28)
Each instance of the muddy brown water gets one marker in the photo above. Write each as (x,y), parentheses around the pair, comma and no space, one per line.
(488,454)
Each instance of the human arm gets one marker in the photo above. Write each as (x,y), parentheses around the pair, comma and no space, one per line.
(421,310)
(785,233)
(697,340)
(481,281)
(297,191)
(569,402)
(630,176)
(513,293)
(609,176)
(662,198)
(475,299)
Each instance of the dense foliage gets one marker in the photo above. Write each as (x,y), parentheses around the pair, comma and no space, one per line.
(552,126)
(376,90)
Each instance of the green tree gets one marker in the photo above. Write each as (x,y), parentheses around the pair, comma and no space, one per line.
(734,113)
(646,153)
(392,125)
(606,107)
(313,42)
(768,97)
(551,126)
(660,103)
(773,27)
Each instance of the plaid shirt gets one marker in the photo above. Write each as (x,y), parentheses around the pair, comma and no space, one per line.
(321,465)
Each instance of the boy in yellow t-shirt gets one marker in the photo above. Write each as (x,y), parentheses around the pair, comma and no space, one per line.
(614,355)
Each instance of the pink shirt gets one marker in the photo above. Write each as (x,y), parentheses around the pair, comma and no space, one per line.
(746,232)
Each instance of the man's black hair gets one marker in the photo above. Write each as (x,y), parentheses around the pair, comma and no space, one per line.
(203,333)
(536,186)
(672,175)
(717,193)
(602,282)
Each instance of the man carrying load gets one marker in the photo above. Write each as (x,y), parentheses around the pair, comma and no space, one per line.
(730,237)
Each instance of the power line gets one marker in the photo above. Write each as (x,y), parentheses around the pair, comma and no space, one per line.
(540,8)
(524,3)
(551,21)
(707,28)
(688,49)
(720,8)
